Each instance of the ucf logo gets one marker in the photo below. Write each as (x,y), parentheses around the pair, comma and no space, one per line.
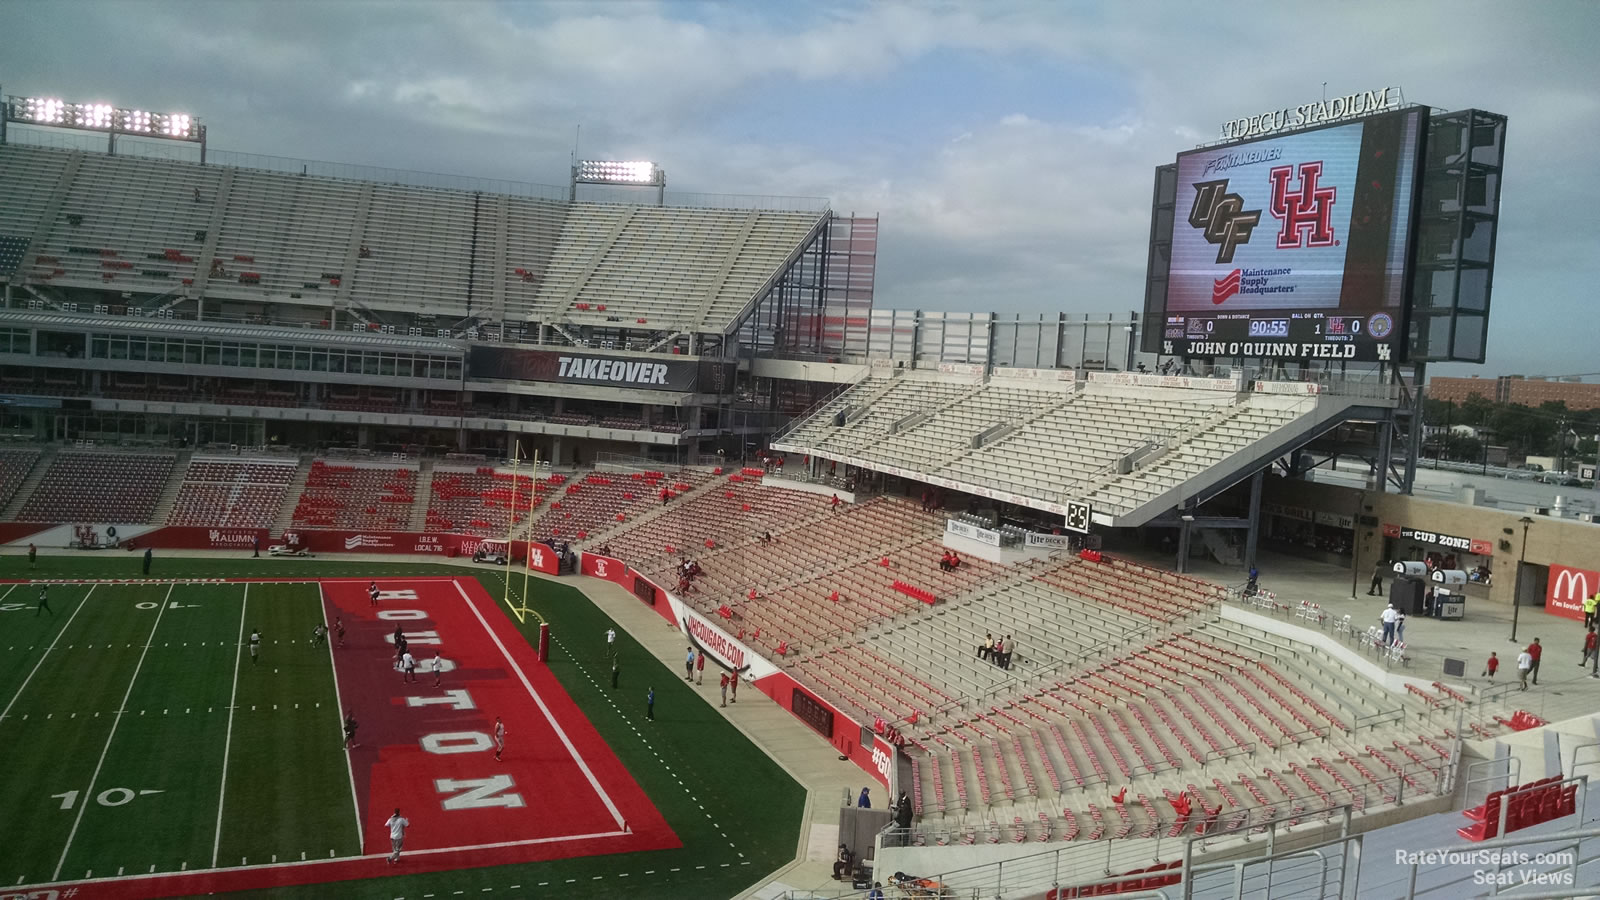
(1222,218)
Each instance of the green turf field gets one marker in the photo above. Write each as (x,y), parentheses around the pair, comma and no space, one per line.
(171,783)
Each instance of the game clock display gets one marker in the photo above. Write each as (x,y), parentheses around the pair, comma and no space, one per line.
(1299,336)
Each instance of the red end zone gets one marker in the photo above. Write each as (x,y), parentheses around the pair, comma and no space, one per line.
(557,792)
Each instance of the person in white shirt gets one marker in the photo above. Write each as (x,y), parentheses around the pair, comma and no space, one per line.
(611,642)
(499,737)
(438,669)
(408,665)
(397,834)
(255,646)
(1390,616)
(1524,666)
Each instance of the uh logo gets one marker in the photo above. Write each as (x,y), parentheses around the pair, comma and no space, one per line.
(1305,216)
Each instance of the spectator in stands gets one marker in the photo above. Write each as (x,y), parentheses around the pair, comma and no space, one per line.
(865,800)
(1005,658)
(1534,652)
(1389,616)
(833,504)
(877,891)
(986,649)
(365,252)
(999,651)
(842,863)
(766,537)
(1377,578)
(683,584)
(944,561)
(665,496)
(955,560)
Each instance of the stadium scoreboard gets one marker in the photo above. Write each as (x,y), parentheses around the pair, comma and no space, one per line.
(1297,245)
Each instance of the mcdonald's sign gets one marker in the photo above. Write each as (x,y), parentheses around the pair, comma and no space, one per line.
(1568,587)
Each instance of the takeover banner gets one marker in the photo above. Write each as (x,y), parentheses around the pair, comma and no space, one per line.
(663,373)
(1568,587)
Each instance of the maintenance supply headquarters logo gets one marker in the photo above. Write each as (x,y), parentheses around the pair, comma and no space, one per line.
(1305,219)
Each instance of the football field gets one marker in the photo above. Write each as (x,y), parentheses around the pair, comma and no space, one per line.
(140,738)
(147,754)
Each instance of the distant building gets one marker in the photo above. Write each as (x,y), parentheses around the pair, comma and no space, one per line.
(1528,391)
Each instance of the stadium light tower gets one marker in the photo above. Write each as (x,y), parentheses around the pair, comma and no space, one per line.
(51,112)
(639,173)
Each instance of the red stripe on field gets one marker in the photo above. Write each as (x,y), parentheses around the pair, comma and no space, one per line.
(565,810)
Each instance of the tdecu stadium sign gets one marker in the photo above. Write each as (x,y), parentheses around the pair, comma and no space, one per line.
(1308,114)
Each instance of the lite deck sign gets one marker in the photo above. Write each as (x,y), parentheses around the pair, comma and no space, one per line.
(1307,114)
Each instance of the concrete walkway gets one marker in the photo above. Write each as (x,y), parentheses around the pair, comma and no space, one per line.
(800,751)
(1564,691)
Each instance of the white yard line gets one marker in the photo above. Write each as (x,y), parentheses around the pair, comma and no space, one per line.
(81,604)
(465,848)
(338,713)
(616,814)
(121,707)
(227,743)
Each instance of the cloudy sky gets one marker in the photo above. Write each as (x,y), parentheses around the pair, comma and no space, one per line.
(1008,147)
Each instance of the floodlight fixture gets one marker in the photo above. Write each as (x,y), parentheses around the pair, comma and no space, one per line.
(53,112)
(604,171)
(624,173)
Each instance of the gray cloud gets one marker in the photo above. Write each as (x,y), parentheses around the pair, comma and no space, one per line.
(1024,207)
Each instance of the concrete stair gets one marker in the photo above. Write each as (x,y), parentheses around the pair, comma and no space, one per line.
(291,496)
(419,509)
(169,491)
(47,455)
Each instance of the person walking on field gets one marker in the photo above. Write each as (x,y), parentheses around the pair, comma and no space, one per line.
(408,667)
(499,738)
(1524,663)
(724,688)
(350,726)
(733,686)
(255,646)
(700,667)
(338,629)
(688,666)
(397,834)
(650,704)
(147,555)
(44,602)
(438,669)
(372,594)
(33,557)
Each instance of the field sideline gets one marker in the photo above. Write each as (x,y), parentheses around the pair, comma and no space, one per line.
(142,739)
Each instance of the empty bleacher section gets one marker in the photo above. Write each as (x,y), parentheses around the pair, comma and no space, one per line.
(126,224)
(232,492)
(253,235)
(1120,446)
(87,486)
(15,464)
(485,500)
(358,496)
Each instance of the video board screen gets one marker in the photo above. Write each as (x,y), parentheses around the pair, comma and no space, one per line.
(1293,247)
